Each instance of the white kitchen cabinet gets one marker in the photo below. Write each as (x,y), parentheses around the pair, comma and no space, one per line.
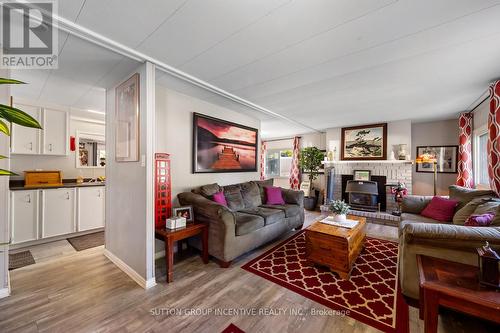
(58,211)
(90,208)
(55,132)
(26,140)
(24,215)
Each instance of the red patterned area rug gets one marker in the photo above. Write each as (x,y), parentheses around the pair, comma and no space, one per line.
(371,294)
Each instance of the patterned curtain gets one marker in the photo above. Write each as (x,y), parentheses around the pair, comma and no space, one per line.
(294,171)
(263,149)
(465,175)
(494,137)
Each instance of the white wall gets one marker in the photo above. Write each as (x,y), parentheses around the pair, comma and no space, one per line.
(434,133)
(129,229)
(66,164)
(398,132)
(174,128)
(4,197)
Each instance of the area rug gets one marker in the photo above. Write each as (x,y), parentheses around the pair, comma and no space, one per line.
(84,242)
(20,259)
(371,295)
(232,328)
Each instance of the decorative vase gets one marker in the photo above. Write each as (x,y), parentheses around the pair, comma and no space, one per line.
(339,217)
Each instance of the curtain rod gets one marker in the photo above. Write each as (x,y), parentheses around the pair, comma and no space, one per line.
(283,139)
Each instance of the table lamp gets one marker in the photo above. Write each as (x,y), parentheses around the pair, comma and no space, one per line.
(427,157)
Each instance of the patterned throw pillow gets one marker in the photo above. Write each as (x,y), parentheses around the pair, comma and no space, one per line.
(463,214)
(491,206)
(483,220)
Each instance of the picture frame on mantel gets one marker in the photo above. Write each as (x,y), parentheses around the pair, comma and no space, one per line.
(127,110)
(367,142)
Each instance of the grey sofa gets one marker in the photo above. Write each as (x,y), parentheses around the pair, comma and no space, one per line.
(447,240)
(247,222)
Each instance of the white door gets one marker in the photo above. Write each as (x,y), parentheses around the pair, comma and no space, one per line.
(55,132)
(90,208)
(24,216)
(26,140)
(58,212)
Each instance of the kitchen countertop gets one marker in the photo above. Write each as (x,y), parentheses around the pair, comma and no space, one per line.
(19,185)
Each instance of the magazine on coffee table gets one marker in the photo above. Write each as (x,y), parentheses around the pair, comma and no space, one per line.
(349,224)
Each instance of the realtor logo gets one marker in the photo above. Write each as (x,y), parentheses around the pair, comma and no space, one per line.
(29,35)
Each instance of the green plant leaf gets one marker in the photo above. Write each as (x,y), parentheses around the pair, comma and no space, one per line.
(10,81)
(7,173)
(4,128)
(17,116)
(2,157)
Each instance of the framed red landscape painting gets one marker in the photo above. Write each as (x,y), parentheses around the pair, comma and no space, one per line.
(223,146)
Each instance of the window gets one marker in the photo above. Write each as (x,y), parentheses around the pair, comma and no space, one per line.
(481,159)
(278,162)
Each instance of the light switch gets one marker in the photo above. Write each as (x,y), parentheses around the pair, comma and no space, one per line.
(143,160)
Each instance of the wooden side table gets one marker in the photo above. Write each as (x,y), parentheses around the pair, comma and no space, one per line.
(169,236)
(455,286)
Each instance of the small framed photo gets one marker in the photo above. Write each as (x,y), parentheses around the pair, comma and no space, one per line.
(185,211)
(362,175)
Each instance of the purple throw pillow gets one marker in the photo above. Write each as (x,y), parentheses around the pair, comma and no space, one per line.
(274,196)
(440,209)
(220,198)
(482,220)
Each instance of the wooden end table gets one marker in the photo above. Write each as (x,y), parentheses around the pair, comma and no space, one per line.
(335,247)
(455,286)
(169,236)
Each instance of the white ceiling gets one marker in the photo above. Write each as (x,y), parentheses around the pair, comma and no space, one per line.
(322,63)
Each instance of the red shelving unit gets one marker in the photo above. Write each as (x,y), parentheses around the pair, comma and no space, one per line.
(163,189)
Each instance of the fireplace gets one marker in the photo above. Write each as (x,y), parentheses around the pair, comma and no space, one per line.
(363,195)
(365,199)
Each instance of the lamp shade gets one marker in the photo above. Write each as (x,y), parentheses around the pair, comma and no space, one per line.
(426,158)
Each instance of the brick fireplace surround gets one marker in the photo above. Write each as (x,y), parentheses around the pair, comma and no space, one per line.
(393,170)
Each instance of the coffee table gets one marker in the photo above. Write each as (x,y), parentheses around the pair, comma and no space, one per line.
(455,286)
(335,247)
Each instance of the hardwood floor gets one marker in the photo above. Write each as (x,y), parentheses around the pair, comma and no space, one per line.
(85,292)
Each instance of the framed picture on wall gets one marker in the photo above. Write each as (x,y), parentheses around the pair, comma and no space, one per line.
(127,120)
(446,156)
(368,142)
(223,146)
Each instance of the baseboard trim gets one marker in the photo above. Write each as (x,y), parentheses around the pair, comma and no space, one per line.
(130,271)
(5,292)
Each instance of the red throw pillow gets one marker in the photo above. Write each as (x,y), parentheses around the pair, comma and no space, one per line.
(482,220)
(220,198)
(440,209)
(274,196)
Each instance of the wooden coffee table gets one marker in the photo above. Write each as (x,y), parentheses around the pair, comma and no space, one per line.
(455,286)
(169,236)
(335,247)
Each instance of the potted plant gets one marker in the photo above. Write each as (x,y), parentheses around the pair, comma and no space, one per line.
(16,116)
(340,209)
(311,159)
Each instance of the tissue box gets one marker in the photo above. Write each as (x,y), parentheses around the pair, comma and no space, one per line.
(175,222)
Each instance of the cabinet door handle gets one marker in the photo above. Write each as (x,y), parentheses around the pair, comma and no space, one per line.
(31,146)
(50,146)
(67,195)
(99,193)
(28,198)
